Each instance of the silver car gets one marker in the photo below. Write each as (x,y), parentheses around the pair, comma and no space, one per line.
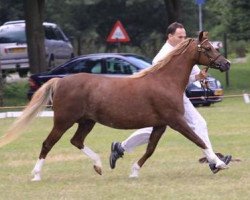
(13,47)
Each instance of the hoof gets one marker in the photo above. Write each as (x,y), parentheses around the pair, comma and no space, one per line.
(133,176)
(226,160)
(223,166)
(37,177)
(98,169)
(135,171)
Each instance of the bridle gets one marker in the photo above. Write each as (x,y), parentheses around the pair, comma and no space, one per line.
(204,49)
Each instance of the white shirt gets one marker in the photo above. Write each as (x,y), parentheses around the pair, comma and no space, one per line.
(166,48)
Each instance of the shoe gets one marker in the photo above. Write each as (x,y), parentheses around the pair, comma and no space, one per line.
(226,159)
(116,153)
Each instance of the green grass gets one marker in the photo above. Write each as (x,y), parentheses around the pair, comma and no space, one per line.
(15,94)
(173,172)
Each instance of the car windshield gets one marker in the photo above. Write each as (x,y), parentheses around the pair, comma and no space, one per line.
(139,61)
(12,35)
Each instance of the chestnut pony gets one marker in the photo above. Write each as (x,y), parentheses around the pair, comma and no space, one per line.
(150,98)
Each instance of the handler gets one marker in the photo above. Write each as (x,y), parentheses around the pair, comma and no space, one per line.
(175,34)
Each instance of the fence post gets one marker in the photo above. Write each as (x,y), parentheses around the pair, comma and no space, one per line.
(225,54)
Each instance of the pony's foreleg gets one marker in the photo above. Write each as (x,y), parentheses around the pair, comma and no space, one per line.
(84,128)
(36,172)
(153,141)
(182,127)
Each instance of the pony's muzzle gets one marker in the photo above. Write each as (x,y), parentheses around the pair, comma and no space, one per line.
(225,67)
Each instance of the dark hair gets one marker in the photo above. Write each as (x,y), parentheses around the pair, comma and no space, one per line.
(172,28)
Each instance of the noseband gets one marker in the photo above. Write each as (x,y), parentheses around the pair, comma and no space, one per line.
(202,49)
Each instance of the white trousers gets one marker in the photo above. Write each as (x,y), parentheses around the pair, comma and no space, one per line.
(192,117)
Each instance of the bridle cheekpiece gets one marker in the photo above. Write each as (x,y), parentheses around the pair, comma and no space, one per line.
(204,49)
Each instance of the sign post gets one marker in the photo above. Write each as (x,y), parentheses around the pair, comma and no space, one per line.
(200,2)
(118,34)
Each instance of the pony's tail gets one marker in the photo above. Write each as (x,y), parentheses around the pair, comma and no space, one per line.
(36,105)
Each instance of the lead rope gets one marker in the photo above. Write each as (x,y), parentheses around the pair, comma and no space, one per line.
(204,84)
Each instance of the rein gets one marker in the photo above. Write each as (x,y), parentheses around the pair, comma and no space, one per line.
(205,87)
(201,49)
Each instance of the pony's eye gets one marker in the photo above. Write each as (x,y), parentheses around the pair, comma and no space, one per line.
(208,48)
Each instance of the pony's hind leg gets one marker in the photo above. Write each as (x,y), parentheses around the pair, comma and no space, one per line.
(84,128)
(55,134)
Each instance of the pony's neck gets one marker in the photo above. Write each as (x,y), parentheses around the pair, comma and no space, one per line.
(179,69)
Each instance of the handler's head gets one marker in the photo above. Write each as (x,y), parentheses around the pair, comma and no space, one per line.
(176,33)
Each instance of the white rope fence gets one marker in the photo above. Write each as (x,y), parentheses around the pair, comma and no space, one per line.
(246,97)
(11,114)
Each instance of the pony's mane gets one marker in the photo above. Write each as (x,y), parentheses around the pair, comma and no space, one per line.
(179,49)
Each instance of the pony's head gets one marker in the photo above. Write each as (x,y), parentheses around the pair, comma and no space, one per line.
(209,56)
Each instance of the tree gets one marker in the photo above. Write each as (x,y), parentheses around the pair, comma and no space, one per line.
(34,17)
(11,10)
(238,15)
(173,10)
(90,21)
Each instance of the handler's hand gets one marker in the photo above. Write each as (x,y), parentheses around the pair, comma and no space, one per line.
(202,75)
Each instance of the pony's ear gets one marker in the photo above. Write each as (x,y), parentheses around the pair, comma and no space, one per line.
(203,35)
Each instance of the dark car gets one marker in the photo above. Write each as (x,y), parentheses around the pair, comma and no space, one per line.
(110,64)
(205,93)
(121,64)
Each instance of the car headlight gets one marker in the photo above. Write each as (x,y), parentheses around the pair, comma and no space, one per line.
(218,83)
(197,84)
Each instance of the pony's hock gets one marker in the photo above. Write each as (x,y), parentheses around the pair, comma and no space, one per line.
(123,103)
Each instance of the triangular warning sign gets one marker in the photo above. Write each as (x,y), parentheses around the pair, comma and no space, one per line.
(118,33)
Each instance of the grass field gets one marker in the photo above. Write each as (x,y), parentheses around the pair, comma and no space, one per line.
(173,172)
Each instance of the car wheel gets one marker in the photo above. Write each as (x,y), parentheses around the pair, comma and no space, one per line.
(23,72)
(207,104)
(4,74)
